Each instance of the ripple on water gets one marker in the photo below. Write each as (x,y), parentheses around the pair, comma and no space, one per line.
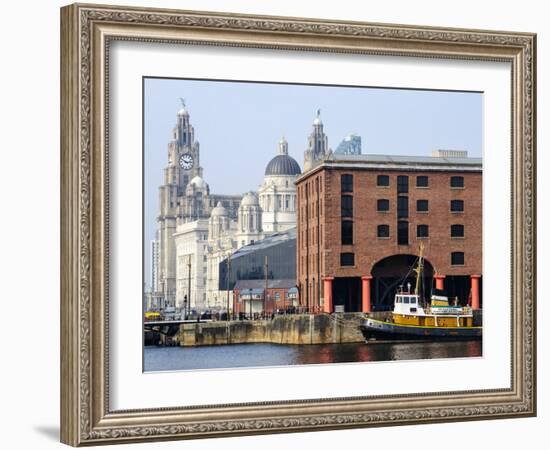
(261,355)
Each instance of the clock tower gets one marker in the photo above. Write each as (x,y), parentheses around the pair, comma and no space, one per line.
(183,165)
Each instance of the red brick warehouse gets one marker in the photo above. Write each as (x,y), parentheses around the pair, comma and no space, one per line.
(361,219)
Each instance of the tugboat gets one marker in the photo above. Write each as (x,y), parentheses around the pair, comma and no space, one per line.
(413,320)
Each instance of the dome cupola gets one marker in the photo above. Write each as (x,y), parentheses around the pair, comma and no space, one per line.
(250,199)
(219,211)
(283,164)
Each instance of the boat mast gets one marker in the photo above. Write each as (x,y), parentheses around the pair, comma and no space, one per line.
(419,268)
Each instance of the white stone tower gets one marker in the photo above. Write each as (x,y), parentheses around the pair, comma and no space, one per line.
(183,165)
(317,148)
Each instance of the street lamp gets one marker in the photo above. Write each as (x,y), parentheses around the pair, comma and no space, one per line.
(227,282)
(189,283)
(250,301)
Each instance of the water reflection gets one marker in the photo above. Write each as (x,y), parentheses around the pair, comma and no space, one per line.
(260,355)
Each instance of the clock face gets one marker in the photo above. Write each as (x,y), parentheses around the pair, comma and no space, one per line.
(186,161)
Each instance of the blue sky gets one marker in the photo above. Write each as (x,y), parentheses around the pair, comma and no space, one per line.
(239,124)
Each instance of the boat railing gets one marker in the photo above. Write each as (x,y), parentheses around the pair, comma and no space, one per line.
(449,310)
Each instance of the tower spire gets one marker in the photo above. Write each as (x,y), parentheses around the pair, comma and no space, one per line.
(317,148)
(283,146)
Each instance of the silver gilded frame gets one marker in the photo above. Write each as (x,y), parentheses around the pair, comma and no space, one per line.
(86,32)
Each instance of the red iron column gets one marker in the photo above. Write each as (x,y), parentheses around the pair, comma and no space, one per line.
(327,292)
(366,293)
(475,290)
(439,281)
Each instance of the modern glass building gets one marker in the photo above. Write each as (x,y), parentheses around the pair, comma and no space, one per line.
(351,145)
(277,251)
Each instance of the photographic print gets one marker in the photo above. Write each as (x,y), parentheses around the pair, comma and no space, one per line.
(289,224)
(309,204)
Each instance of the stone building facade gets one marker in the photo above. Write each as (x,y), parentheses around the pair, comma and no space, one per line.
(191,240)
(198,229)
(361,219)
(277,195)
(184,197)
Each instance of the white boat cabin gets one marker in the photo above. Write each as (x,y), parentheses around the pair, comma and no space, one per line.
(406,303)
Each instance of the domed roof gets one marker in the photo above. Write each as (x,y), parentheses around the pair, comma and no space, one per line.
(219,210)
(283,165)
(199,183)
(249,199)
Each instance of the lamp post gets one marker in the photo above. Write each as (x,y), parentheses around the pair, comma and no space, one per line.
(250,301)
(189,284)
(265,290)
(227,282)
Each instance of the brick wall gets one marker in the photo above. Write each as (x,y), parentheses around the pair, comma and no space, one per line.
(319,223)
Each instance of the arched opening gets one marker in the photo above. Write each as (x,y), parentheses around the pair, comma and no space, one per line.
(391,272)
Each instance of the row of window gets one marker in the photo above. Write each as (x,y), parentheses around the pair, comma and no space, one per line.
(348,259)
(383,205)
(422,231)
(422,181)
(383,232)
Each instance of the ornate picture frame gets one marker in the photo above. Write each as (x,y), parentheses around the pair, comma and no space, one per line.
(87,32)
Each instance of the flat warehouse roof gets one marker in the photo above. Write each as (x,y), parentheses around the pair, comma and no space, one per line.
(396,162)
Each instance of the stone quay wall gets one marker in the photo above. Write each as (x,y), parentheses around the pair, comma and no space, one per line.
(289,329)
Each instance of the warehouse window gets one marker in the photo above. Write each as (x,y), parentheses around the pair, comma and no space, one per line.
(402,184)
(383,231)
(457,205)
(457,231)
(402,232)
(457,258)
(422,181)
(402,207)
(347,259)
(422,231)
(457,182)
(383,205)
(422,206)
(347,232)
(346,182)
(347,206)
(383,181)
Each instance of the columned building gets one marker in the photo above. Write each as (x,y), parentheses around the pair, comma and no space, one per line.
(278,192)
(249,228)
(221,243)
(191,240)
(361,219)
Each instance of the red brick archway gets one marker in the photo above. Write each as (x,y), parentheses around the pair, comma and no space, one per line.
(392,271)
